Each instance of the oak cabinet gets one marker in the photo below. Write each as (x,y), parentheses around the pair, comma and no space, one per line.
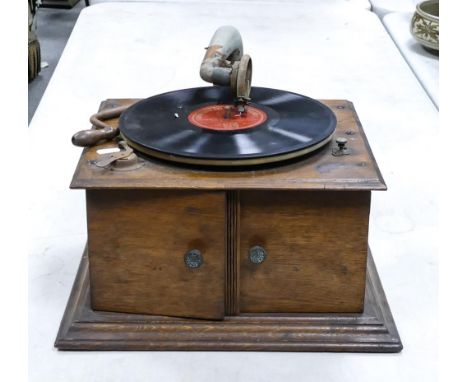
(176,252)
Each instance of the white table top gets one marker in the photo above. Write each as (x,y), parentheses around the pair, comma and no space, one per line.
(137,50)
(424,64)
(382,7)
(360,3)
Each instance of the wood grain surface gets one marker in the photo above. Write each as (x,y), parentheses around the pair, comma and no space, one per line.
(232,253)
(316,244)
(370,331)
(310,293)
(318,171)
(137,242)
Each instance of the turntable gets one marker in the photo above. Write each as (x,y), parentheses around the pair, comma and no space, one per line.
(227,217)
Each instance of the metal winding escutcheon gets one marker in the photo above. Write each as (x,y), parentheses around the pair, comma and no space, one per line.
(193,259)
(257,254)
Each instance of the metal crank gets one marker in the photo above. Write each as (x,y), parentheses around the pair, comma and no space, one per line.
(101,131)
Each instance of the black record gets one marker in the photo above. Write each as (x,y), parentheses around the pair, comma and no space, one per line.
(159,126)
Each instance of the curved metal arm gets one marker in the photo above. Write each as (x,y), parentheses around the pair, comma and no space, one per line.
(102,130)
(225,64)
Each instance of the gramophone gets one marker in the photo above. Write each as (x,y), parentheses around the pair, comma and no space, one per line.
(227,217)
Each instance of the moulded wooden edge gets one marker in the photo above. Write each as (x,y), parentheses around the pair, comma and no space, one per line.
(371,331)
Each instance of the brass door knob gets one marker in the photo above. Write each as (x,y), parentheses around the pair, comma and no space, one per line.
(257,254)
(193,259)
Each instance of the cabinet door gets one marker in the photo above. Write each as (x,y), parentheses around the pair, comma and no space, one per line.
(316,248)
(157,252)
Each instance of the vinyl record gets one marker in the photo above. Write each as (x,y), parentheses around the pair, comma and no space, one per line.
(196,126)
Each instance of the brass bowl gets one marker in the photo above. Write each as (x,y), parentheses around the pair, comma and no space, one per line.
(425,24)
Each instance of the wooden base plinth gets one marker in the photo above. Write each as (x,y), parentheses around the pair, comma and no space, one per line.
(371,331)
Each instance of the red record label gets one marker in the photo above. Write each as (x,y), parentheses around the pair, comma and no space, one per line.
(226,118)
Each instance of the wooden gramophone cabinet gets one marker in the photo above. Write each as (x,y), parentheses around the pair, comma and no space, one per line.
(272,259)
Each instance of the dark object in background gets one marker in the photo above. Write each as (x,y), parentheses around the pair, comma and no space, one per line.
(34,48)
(60,3)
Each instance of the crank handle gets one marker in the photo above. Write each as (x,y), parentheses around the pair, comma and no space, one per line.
(86,138)
(102,130)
